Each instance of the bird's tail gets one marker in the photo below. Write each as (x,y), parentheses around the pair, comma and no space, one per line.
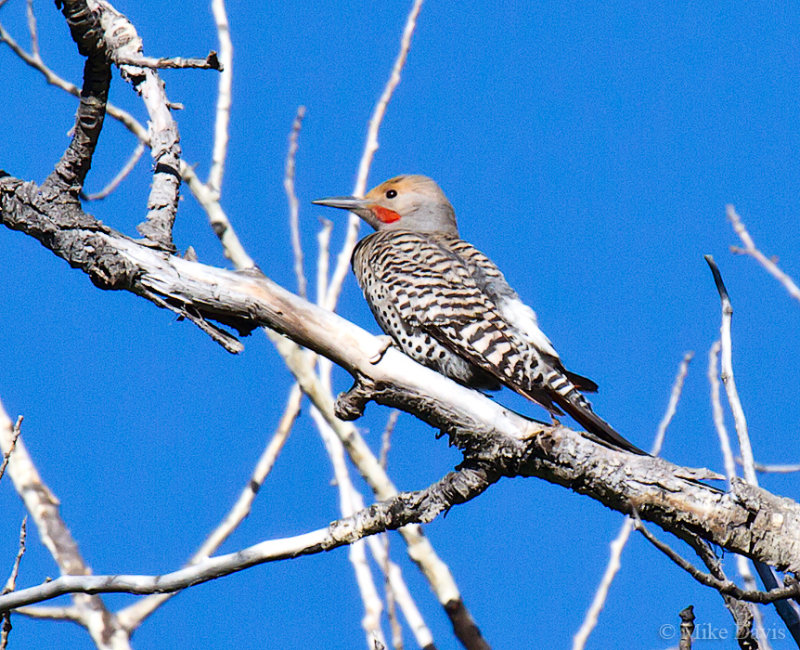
(581,411)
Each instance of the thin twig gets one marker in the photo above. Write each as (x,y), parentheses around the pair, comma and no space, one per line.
(294,204)
(210,62)
(386,438)
(722,586)
(751,250)
(132,616)
(34,61)
(46,613)
(395,583)
(727,376)
(43,507)
(217,334)
(231,245)
(718,413)
(334,286)
(263,467)
(370,147)
(725,447)
(744,614)
(14,437)
(11,583)
(419,547)
(323,258)
(773,469)
(619,542)
(421,506)
(32,29)
(672,405)
(126,169)
(394,624)
(787,610)
(391,610)
(348,498)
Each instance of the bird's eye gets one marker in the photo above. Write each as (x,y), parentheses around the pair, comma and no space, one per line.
(390,194)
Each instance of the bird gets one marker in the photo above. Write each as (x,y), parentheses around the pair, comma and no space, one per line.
(449,307)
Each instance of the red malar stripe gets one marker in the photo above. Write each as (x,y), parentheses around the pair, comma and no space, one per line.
(384,214)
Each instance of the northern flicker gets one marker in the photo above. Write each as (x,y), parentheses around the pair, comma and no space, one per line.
(446,305)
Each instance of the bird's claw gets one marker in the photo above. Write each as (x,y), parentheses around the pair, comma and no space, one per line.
(385,342)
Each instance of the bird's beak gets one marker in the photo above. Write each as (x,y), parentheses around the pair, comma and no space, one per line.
(344,202)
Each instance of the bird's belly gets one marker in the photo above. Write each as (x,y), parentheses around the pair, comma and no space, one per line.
(426,350)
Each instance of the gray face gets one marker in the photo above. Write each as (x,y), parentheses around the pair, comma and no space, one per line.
(410,202)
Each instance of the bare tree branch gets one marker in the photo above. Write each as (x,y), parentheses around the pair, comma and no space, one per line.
(727,375)
(224,98)
(210,62)
(45,613)
(35,62)
(788,611)
(11,583)
(723,586)
(294,205)
(473,422)
(348,505)
(121,175)
(619,542)
(132,616)
(123,44)
(727,456)
(744,614)
(422,506)
(751,250)
(43,507)
(772,469)
(370,147)
(17,430)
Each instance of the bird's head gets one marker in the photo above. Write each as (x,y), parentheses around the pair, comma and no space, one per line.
(409,202)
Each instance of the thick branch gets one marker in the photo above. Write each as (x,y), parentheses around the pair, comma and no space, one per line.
(749,520)
(66,181)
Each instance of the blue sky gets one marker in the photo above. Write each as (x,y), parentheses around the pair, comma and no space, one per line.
(589,150)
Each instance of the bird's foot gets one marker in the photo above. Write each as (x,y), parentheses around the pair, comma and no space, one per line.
(384,343)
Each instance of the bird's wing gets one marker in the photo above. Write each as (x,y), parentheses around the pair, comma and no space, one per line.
(492,282)
(516,313)
(446,302)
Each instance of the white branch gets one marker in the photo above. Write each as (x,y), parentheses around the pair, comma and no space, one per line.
(43,507)
(751,250)
(349,502)
(127,168)
(371,146)
(223,98)
(133,615)
(294,204)
(619,542)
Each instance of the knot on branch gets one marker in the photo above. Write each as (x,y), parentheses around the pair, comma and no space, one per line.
(350,405)
(107,268)
(84,27)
